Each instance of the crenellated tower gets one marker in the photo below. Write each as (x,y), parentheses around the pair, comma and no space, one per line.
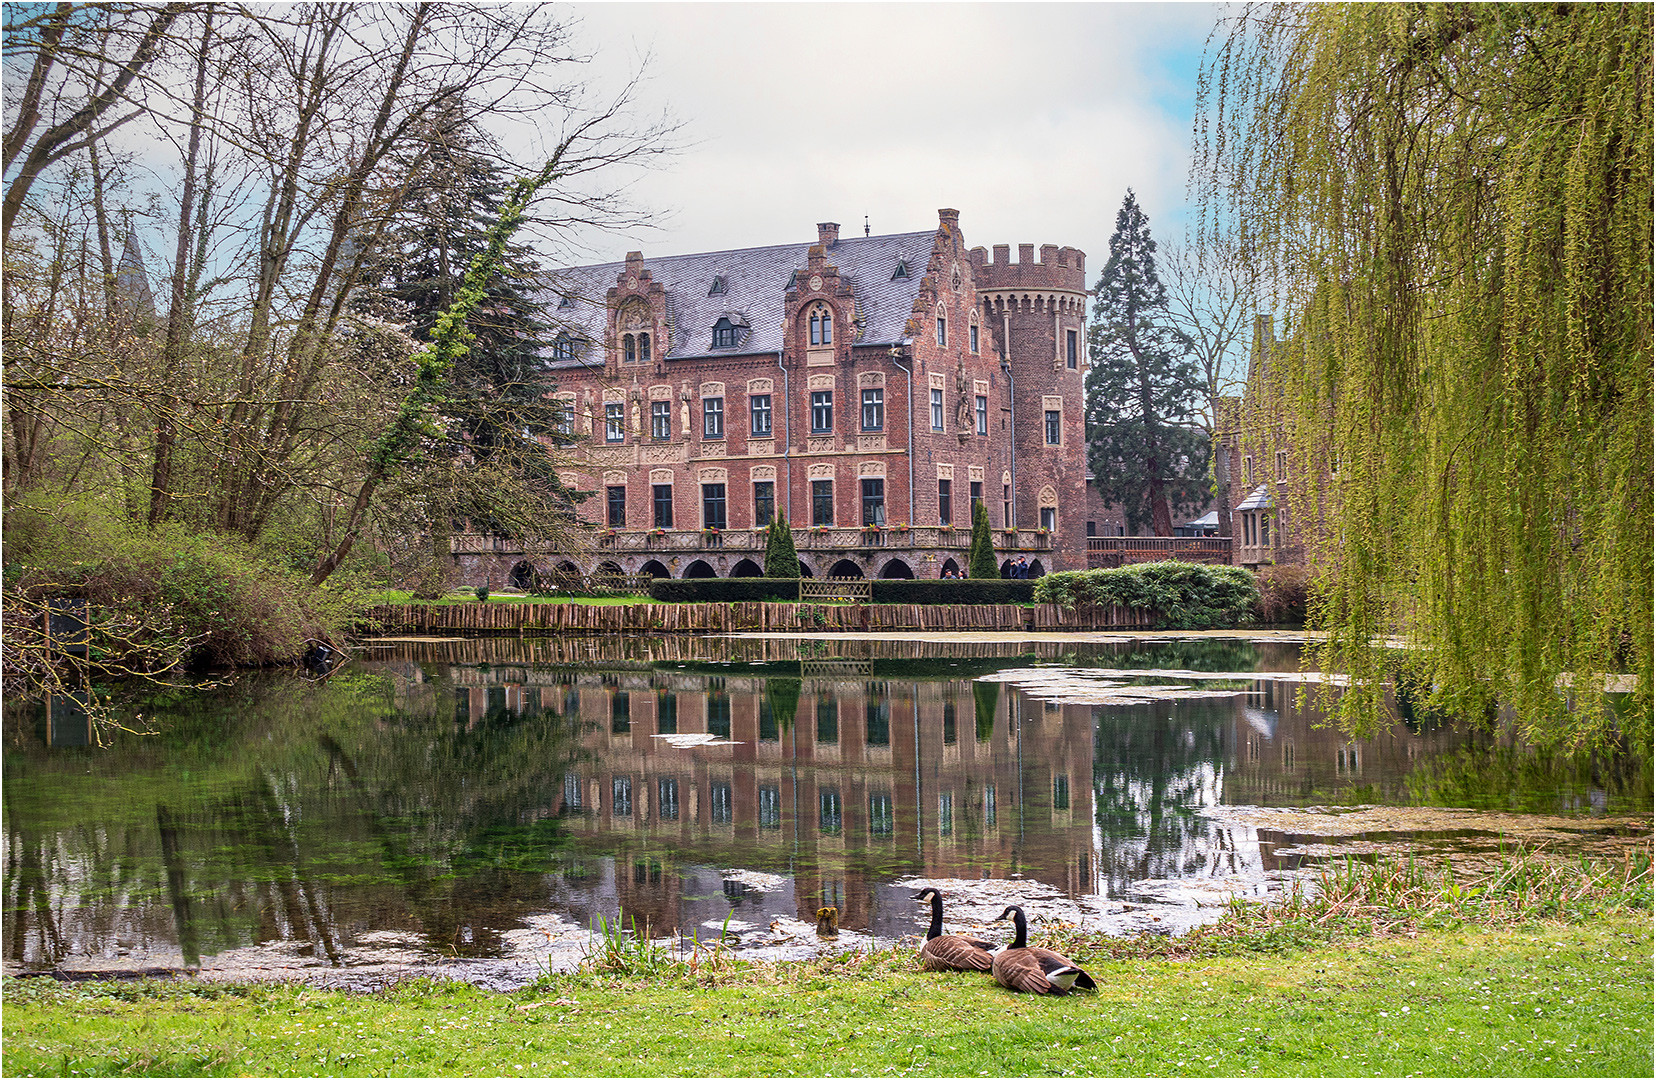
(1036,311)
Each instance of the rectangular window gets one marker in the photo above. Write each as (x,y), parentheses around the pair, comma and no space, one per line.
(563,417)
(666,712)
(719,803)
(822,502)
(873,502)
(713,418)
(1264,530)
(1282,465)
(937,408)
(767,721)
(713,506)
(667,804)
(977,495)
(945,813)
(1092,528)
(877,714)
(1247,469)
(873,410)
(759,411)
(718,713)
(982,415)
(644,348)
(617,500)
(621,796)
(827,720)
(615,422)
(661,419)
(945,508)
(942,332)
(662,497)
(822,411)
(620,713)
(764,501)
(973,333)
(1006,505)
(1060,793)
(881,820)
(831,815)
(629,353)
(1072,348)
(770,807)
(1049,518)
(1054,427)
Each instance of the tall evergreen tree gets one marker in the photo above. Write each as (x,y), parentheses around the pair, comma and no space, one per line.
(781,557)
(980,556)
(496,410)
(1143,388)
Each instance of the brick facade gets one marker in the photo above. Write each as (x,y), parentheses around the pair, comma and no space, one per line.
(801,365)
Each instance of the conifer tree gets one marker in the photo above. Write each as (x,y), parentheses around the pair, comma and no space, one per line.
(781,557)
(980,557)
(1143,388)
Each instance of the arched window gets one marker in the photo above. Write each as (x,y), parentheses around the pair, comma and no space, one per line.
(822,325)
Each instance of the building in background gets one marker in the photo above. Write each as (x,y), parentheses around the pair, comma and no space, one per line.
(867,389)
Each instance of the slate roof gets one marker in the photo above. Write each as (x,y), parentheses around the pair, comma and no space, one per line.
(755,281)
(1259,500)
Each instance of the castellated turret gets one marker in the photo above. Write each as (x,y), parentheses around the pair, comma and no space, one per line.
(1037,311)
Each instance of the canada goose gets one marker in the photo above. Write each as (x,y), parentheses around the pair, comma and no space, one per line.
(828,922)
(1035,971)
(949,952)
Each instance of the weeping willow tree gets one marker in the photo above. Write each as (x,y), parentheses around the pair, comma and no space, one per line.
(1453,204)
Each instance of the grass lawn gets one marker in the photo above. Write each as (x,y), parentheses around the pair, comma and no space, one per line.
(1539,998)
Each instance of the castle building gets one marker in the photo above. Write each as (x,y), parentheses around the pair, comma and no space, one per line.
(867,389)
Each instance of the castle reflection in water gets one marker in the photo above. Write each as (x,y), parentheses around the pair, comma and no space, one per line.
(845,778)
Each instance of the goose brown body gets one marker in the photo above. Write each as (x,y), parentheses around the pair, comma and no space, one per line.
(950,952)
(1035,970)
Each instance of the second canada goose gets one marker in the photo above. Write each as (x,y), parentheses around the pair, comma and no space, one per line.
(1035,970)
(949,952)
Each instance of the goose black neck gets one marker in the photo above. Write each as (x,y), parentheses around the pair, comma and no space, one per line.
(1020,939)
(937,918)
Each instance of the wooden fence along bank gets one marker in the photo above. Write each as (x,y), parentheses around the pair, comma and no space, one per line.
(730,618)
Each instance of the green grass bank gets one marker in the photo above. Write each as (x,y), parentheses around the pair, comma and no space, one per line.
(1535,998)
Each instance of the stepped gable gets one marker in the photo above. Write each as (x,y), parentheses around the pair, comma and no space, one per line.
(755,286)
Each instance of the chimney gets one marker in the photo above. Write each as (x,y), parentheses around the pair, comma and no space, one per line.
(827,233)
(949,217)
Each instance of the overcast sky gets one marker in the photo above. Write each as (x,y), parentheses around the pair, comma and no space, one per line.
(1031,119)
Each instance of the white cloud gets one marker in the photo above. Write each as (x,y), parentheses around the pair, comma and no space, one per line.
(1031,119)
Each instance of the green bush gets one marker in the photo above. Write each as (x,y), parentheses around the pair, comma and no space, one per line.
(1185,596)
(948,591)
(1283,594)
(781,557)
(723,590)
(214,600)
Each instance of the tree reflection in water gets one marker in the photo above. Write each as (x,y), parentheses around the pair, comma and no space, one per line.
(447,796)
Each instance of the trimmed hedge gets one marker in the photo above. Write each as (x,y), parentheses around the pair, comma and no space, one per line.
(723,590)
(950,591)
(886,591)
(1188,596)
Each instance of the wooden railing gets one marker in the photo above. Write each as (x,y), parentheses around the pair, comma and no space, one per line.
(1112,551)
(856,590)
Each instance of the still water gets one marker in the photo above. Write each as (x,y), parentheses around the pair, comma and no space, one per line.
(471,807)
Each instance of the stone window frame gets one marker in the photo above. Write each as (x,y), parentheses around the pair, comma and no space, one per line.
(713,426)
(661,420)
(873,408)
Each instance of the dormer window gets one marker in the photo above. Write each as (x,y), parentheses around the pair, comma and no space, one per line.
(563,348)
(566,301)
(793,281)
(822,325)
(718,286)
(902,270)
(725,333)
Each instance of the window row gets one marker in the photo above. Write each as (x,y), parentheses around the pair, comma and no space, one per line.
(760,411)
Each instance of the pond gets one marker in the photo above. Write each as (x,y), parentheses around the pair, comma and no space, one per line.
(471,808)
